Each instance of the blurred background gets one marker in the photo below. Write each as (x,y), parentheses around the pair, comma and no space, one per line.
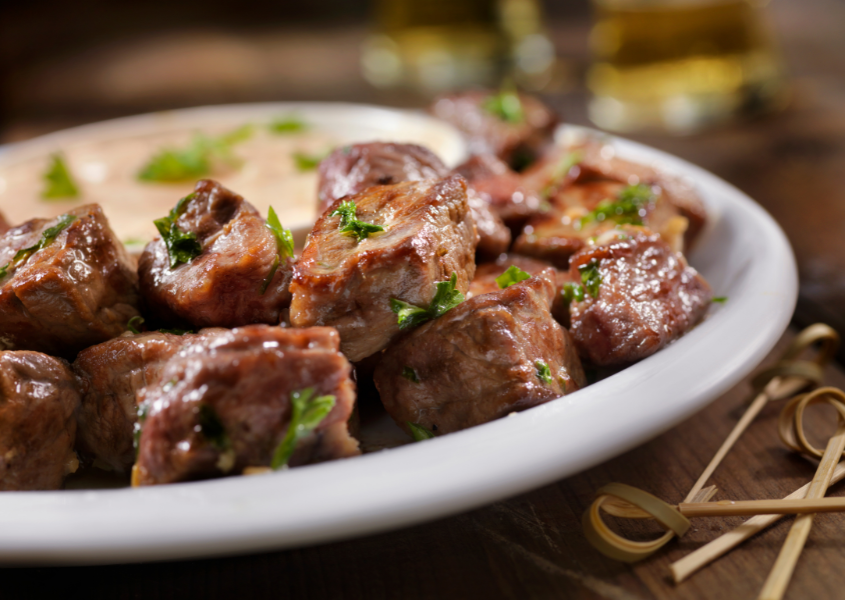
(752,91)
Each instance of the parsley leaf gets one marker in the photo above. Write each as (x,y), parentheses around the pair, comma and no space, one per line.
(590,277)
(307,412)
(286,125)
(47,236)
(544,373)
(181,247)
(284,245)
(349,223)
(513,275)
(572,291)
(409,374)
(308,162)
(561,170)
(720,299)
(628,208)
(505,105)
(173,165)
(131,325)
(59,183)
(419,432)
(445,299)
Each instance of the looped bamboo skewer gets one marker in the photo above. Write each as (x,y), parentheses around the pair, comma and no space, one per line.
(789,376)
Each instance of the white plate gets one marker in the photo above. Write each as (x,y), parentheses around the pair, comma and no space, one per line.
(743,254)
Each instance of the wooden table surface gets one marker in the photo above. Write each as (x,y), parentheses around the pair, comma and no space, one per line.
(531,546)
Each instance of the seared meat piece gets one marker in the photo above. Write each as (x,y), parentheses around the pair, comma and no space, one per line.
(503,189)
(226,284)
(38,398)
(575,215)
(345,283)
(647,296)
(486,274)
(516,134)
(109,376)
(72,285)
(491,355)
(4,226)
(352,169)
(225,403)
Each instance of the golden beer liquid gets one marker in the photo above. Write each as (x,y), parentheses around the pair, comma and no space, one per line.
(680,66)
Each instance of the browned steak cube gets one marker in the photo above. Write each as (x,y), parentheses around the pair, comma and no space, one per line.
(225,404)
(67,283)
(38,399)
(238,276)
(492,355)
(352,169)
(109,376)
(486,274)
(347,283)
(514,127)
(585,209)
(639,295)
(503,189)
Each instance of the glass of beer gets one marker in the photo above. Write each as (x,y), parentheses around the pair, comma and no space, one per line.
(680,65)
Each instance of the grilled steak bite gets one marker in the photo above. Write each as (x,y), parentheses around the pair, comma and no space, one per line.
(639,295)
(352,169)
(493,354)
(346,282)
(486,274)
(225,403)
(515,127)
(38,398)
(65,283)
(109,376)
(503,189)
(583,210)
(233,272)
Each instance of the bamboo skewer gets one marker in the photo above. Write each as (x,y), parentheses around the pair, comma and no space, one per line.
(729,508)
(778,579)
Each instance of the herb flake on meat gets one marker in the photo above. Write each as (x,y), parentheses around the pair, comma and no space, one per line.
(505,105)
(561,170)
(590,277)
(59,183)
(134,323)
(181,247)
(719,299)
(572,291)
(284,245)
(629,207)
(419,432)
(307,412)
(445,299)
(513,275)
(212,428)
(409,374)
(349,223)
(288,125)
(544,374)
(47,236)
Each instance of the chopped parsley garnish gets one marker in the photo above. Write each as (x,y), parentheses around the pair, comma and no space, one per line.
(544,373)
(419,432)
(409,374)
(176,331)
(59,183)
(47,236)
(590,277)
(174,165)
(212,428)
(284,245)
(561,170)
(720,299)
(629,207)
(572,291)
(445,299)
(307,412)
(181,247)
(505,105)
(513,275)
(134,323)
(308,162)
(286,125)
(349,223)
